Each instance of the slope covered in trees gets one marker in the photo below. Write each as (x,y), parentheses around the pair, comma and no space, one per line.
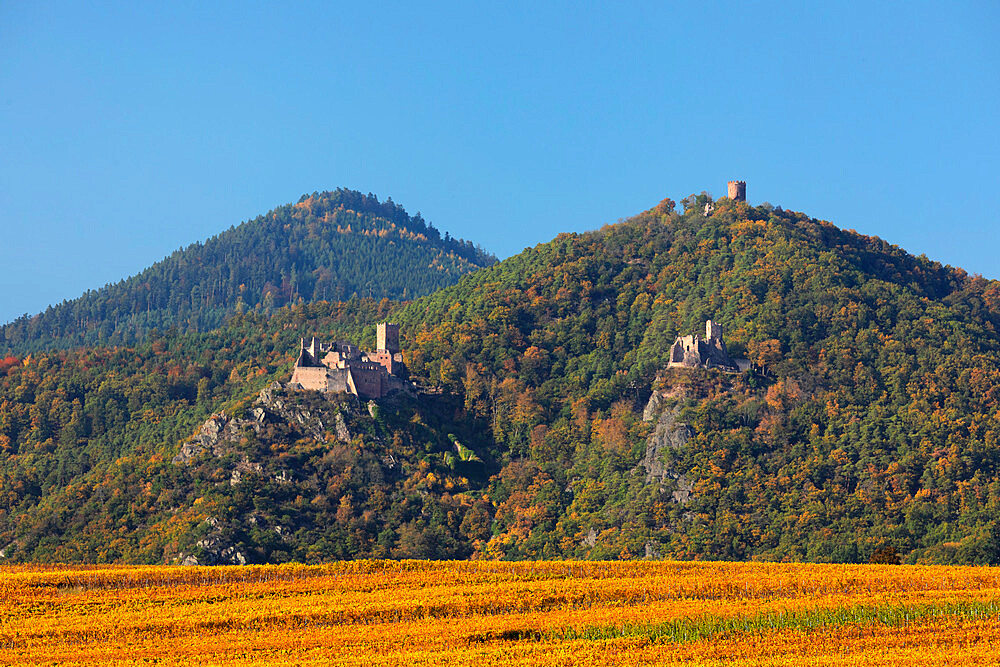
(872,422)
(91,465)
(327,246)
(868,427)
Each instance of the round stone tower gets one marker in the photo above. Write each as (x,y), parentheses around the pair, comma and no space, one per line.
(738,190)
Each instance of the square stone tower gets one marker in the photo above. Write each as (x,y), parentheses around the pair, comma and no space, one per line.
(388,337)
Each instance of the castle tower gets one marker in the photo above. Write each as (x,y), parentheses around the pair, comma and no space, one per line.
(713,330)
(388,337)
(738,190)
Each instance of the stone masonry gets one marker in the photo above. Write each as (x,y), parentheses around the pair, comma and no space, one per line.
(738,190)
(343,367)
(709,352)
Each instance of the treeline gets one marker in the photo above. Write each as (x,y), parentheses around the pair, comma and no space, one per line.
(327,246)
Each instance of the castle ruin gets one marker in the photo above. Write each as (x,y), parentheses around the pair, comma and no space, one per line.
(738,190)
(344,367)
(709,352)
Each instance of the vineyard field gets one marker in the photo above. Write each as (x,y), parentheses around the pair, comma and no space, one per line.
(501,613)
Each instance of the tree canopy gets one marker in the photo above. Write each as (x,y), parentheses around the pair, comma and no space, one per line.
(868,425)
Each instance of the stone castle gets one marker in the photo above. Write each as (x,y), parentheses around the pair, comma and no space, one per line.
(343,367)
(709,352)
(737,190)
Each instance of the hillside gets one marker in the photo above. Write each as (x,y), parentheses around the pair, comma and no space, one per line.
(872,422)
(327,246)
(868,427)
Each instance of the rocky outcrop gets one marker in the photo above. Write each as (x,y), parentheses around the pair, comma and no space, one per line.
(214,437)
(669,433)
(217,435)
(342,433)
(272,400)
(219,552)
(653,406)
(234,450)
(215,548)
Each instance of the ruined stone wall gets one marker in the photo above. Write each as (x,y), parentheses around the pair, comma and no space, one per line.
(337,380)
(685,351)
(713,330)
(693,351)
(311,377)
(346,368)
(367,382)
(385,358)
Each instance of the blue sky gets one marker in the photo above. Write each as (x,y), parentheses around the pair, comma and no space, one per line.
(129,130)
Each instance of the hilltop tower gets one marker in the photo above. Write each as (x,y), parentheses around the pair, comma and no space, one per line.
(738,190)
(388,337)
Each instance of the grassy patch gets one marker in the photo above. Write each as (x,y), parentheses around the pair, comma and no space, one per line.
(686,630)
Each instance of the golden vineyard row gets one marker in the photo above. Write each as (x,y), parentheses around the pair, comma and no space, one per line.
(498,613)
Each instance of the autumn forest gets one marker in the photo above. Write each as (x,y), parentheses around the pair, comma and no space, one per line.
(547,424)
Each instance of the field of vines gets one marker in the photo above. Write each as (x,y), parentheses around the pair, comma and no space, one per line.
(501,613)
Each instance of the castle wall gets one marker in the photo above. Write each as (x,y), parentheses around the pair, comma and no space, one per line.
(366,382)
(694,352)
(346,368)
(713,330)
(337,380)
(385,358)
(311,377)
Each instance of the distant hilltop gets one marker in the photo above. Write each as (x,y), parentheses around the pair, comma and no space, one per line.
(735,190)
(865,430)
(327,246)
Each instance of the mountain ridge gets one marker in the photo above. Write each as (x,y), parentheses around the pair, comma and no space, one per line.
(327,245)
(869,424)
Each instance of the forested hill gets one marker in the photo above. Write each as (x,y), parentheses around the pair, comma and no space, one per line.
(329,246)
(868,428)
(871,420)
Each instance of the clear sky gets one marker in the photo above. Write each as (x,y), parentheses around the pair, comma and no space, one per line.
(128,130)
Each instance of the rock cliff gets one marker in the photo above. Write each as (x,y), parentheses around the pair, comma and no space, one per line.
(669,433)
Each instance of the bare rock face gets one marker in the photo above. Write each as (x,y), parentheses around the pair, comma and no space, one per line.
(219,431)
(669,433)
(217,552)
(271,401)
(214,436)
(342,433)
(652,408)
(276,415)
